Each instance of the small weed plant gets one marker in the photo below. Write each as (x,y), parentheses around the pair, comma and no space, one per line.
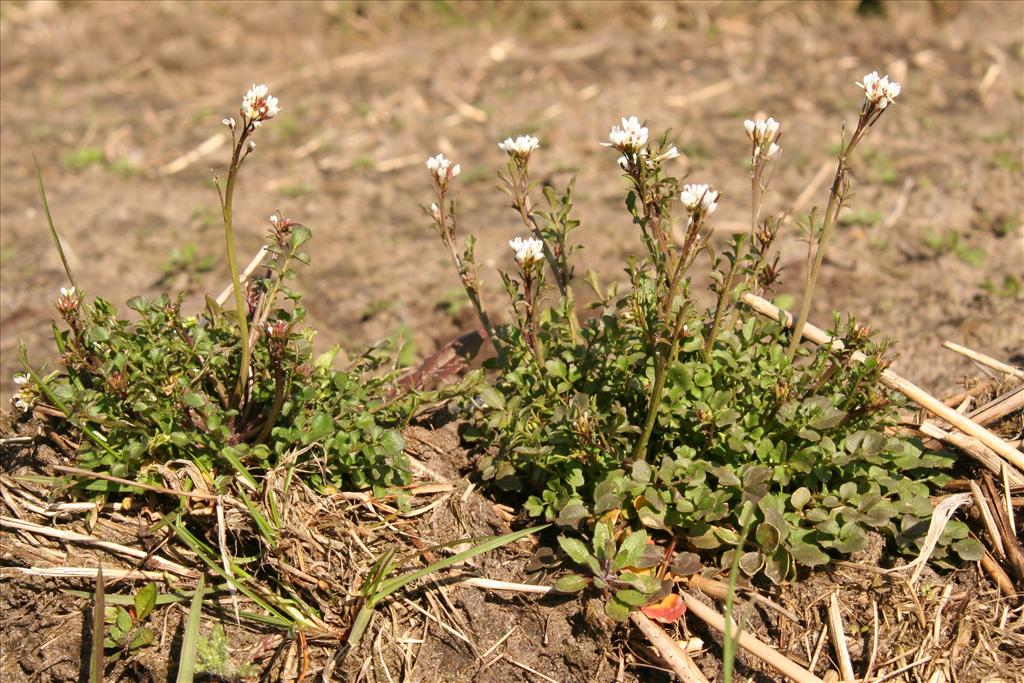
(234,389)
(714,430)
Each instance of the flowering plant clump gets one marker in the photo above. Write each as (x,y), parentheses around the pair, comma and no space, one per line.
(235,391)
(714,430)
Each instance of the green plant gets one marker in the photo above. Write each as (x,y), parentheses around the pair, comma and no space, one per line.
(378,586)
(677,420)
(234,391)
(949,243)
(190,640)
(215,661)
(186,261)
(620,570)
(125,627)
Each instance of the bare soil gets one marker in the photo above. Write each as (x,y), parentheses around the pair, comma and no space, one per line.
(121,104)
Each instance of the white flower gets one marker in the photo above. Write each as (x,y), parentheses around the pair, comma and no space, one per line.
(623,162)
(21,378)
(442,169)
(630,138)
(528,251)
(68,293)
(879,91)
(259,105)
(699,199)
(229,122)
(762,131)
(21,405)
(670,153)
(520,147)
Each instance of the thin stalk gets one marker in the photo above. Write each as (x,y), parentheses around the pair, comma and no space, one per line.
(835,204)
(558,267)
(49,222)
(812,277)
(241,311)
(723,298)
(665,361)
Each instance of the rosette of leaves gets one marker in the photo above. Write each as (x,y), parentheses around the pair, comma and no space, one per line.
(621,571)
(126,629)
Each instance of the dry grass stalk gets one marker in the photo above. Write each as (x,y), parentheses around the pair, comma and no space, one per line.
(999,407)
(246,274)
(974,448)
(87,573)
(984,360)
(987,519)
(979,388)
(82,539)
(900,384)
(1003,519)
(128,482)
(751,644)
(671,651)
(838,635)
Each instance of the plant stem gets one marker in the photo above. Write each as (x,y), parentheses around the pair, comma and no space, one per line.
(723,297)
(241,310)
(664,362)
(558,266)
(829,219)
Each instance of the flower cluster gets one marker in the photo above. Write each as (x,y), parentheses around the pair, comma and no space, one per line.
(281,228)
(442,169)
(528,251)
(258,105)
(631,138)
(68,300)
(764,134)
(699,199)
(521,147)
(879,92)
(21,379)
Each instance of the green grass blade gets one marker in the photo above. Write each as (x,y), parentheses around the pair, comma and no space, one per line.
(49,221)
(190,644)
(388,587)
(99,612)
(213,562)
(266,530)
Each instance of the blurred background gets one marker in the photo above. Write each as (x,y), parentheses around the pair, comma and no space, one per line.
(122,103)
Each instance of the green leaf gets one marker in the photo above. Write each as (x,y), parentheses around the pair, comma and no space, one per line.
(123,620)
(571,515)
(145,601)
(300,235)
(630,550)
(800,498)
(616,610)
(392,443)
(645,583)
(631,597)
(194,400)
(492,398)
(571,583)
(579,553)
(808,555)
(190,641)
(143,638)
(603,543)
(969,549)
(686,564)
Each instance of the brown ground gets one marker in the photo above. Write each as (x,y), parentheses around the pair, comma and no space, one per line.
(108,95)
